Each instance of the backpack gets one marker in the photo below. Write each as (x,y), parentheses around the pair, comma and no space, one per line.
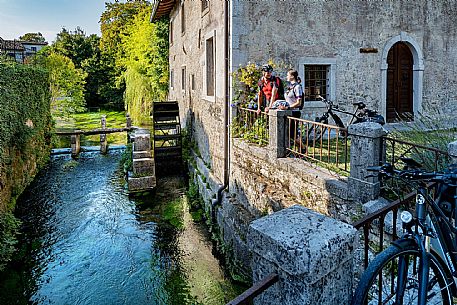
(302,97)
(279,84)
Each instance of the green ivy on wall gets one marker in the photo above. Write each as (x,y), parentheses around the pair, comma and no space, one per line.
(25,137)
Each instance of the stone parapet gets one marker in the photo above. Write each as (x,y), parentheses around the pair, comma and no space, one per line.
(311,253)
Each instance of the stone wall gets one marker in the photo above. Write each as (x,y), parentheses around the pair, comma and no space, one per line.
(264,184)
(202,114)
(295,32)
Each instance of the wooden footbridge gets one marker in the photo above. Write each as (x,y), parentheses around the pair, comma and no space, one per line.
(167,141)
(75,135)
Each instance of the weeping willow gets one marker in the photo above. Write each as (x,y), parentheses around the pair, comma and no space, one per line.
(146,65)
(138,96)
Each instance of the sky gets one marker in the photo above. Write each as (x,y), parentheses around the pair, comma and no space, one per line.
(18,17)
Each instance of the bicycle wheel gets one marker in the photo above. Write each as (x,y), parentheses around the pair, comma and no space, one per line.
(315,132)
(378,284)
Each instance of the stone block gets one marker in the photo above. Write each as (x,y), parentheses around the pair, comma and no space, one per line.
(144,166)
(452,150)
(139,184)
(311,253)
(142,154)
(142,142)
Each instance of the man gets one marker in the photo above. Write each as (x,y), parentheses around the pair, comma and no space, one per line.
(268,89)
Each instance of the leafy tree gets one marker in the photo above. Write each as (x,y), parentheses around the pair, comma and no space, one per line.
(66,83)
(115,21)
(35,37)
(84,51)
(146,62)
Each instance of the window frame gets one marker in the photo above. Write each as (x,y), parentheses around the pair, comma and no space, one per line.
(183,79)
(172,79)
(331,73)
(183,19)
(211,98)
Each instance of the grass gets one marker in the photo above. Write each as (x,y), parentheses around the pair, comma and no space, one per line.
(88,121)
(325,155)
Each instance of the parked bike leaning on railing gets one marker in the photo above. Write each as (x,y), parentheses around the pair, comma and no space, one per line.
(419,268)
(359,115)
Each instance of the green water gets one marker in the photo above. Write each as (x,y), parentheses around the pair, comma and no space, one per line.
(85,241)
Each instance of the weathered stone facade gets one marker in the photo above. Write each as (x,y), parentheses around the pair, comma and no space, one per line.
(333,32)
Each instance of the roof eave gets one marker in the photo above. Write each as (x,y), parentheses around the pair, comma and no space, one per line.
(161,8)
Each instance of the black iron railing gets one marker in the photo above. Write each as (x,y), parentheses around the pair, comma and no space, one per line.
(325,144)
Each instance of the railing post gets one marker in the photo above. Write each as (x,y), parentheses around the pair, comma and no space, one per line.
(75,145)
(103,138)
(278,132)
(452,150)
(366,150)
(311,253)
(128,120)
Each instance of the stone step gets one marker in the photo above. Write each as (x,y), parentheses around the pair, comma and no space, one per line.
(139,184)
(142,154)
(142,142)
(144,166)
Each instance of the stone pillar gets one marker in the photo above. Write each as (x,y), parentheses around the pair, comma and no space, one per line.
(278,128)
(452,150)
(75,145)
(366,150)
(311,253)
(143,177)
(103,137)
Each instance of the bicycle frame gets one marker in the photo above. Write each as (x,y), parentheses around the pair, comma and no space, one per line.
(435,234)
(335,117)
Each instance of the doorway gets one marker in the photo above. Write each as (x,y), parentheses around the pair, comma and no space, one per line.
(399,95)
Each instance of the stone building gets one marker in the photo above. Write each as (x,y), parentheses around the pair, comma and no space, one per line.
(397,56)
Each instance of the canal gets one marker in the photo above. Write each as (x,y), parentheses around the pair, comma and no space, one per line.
(85,241)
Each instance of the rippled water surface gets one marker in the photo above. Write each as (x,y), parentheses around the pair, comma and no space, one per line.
(86,242)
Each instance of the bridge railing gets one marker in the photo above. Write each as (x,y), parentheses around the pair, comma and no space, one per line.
(75,135)
(246,297)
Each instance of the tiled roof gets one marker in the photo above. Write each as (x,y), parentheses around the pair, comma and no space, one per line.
(11,45)
(34,43)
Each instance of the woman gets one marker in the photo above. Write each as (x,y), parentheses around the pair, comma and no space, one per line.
(293,95)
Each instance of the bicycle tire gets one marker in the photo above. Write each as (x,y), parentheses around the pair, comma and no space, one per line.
(367,290)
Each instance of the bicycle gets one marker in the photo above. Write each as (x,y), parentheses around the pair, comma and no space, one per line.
(360,114)
(418,268)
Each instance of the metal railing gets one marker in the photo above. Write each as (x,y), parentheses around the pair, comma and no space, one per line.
(326,144)
(430,158)
(374,225)
(251,126)
(255,290)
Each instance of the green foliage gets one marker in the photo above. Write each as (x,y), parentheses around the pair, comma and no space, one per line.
(66,83)
(246,80)
(256,133)
(9,229)
(114,24)
(35,37)
(126,159)
(85,52)
(24,103)
(146,65)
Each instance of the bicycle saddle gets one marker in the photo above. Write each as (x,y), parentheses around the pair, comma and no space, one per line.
(359,105)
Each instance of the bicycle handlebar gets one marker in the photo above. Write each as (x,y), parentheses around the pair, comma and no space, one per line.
(387,170)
